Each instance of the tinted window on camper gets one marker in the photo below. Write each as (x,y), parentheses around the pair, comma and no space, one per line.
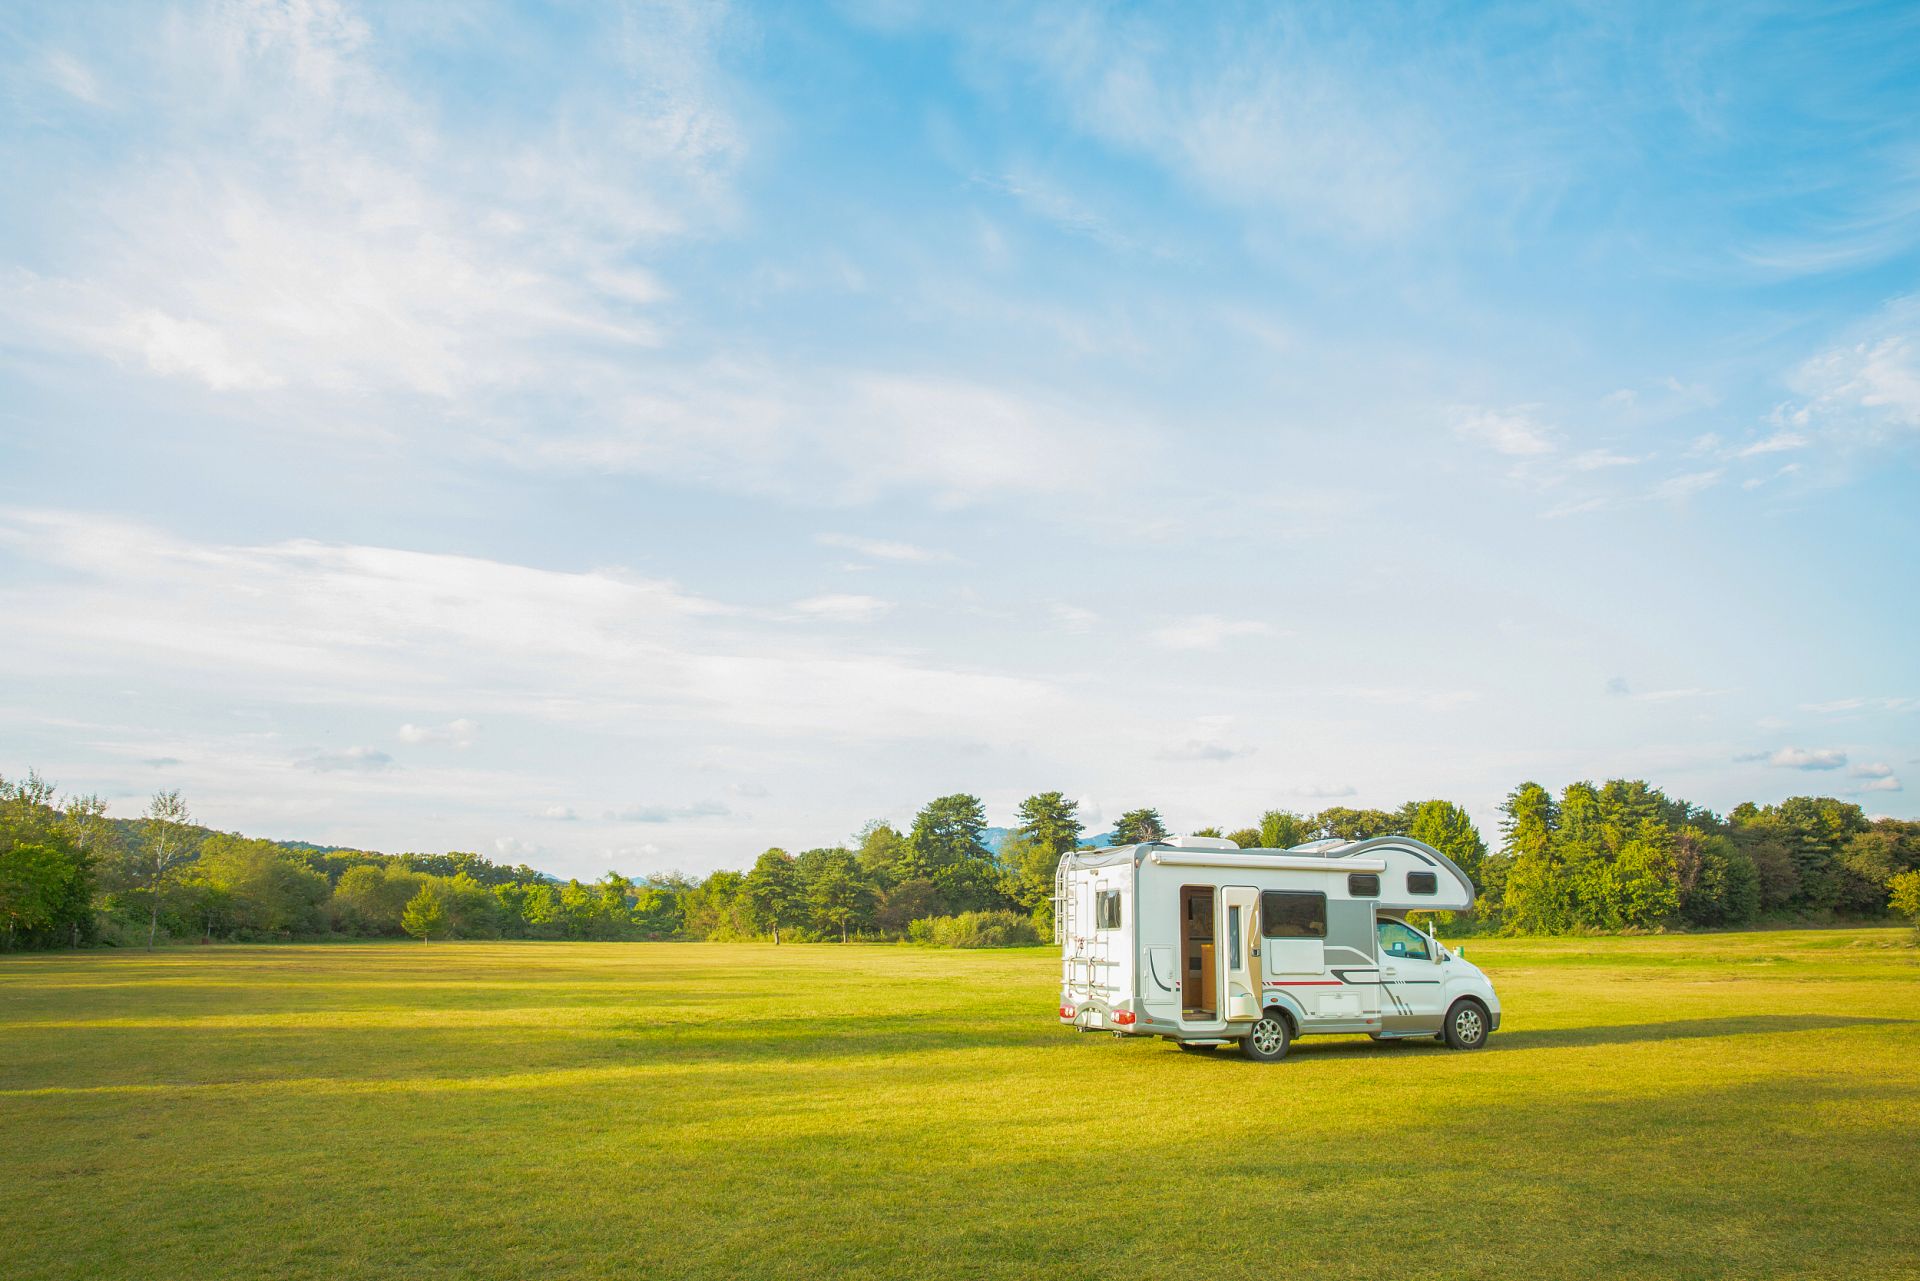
(1363,884)
(1290,914)
(1106,910)
(1422,883)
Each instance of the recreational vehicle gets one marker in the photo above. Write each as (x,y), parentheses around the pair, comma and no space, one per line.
(1197,941)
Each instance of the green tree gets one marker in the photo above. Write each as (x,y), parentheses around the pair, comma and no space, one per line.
(1137,826)
(838,893)
(264,890)
(1354,825)
(882,852)
(1050,821)
(1447,828)
(949,830)
(426,914)
(772,893)
(1246,838)
(1283,829)
(372,897)
(166,835)
(1904,895)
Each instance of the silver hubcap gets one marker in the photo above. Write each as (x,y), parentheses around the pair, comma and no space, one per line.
(1466,1024)
(1267,1036)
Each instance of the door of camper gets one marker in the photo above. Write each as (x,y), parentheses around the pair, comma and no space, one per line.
(1241,906)
(1202,965)
(1410,980)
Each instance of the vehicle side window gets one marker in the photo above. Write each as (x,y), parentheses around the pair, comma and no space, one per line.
(1292,914)
(1363,884)
(1233,937)
(1106,910)
(1423,883)
(1402,941)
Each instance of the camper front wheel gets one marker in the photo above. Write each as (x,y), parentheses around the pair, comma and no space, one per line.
(1467,1026)
(1267,1039)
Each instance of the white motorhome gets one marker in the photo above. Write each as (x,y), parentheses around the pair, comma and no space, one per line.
(1197,941)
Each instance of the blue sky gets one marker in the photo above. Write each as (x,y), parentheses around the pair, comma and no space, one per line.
(633,436)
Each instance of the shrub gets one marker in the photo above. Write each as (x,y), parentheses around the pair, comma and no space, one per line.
(975,929)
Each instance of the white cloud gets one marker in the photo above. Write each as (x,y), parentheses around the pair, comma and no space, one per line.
(562,813)
(1261,124)
(1876,769)
(456,733)
(1514,432)
(1867,388)
(1779,442)
(351,758)
(312,622)
(841,607)
(667,813)
(1684,486)
(1074,618)
(1599,459)
(1206,631)
(883,549)
(1863,705)
(1800,758)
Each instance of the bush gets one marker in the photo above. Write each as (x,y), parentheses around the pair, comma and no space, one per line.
(975,929)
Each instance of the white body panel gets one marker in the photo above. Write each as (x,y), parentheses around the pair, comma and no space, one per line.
(1194,939)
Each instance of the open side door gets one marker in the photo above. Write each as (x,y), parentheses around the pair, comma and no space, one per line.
(1240,908)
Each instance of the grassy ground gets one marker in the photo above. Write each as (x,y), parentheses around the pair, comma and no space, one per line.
(1727,1106)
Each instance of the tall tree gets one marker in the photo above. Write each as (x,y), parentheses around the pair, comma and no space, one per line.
(882,852)
(1283,829)
(166,833)
(1350,824)
(1050,820)
(949,830)
(1137,826)
(772,892)
(426,914)
(837,891)
(1447,828)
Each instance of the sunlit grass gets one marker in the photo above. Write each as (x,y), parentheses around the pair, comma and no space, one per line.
(1741,1105)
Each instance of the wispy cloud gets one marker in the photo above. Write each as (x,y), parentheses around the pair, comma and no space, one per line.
(883,549)
(350,758)
(843,607)
(455,733)
(667,813)
(1517,433)
(1207,631)
(1800,758)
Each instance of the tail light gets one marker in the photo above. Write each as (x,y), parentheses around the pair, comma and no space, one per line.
(1066,1011)
(1124,1017)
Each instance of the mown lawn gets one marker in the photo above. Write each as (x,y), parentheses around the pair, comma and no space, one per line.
(1723,1106)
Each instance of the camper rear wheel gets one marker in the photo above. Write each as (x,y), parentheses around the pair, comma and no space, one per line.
(1268,1038)
(1467,1025)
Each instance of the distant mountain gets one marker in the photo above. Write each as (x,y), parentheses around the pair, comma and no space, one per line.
(995,837)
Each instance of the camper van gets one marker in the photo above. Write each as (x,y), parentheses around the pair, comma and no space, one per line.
(1197,941)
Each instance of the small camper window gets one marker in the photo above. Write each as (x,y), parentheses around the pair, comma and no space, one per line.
(1363,884)
(1422,883)
(1292,914)
(1106,910)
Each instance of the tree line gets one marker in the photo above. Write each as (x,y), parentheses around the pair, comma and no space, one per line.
(1615,856)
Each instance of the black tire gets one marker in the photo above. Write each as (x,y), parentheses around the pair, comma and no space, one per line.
(1467,1026)
(1268,1039)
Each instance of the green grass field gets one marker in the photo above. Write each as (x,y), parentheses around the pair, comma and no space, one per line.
(1707,1106)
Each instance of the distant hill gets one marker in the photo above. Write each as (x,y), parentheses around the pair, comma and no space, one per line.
(995,837)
